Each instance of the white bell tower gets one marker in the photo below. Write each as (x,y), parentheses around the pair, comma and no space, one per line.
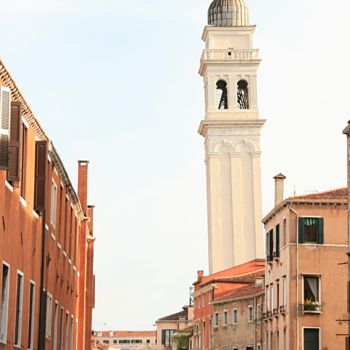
(231,129)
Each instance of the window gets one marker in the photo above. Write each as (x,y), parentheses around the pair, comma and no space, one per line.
(258,312)
(242,95)
(221,94)
(53,204)
(284,231)
(271,298)
(24,161)
(269,245)
(250,347)
(258,347)
(225,318)
(166,336)
(311,230)
(311,338)
(250,314)
(148,341)
(48,315)
(19,309)
(285,339)
(61,330)
(284,291)
(277,252)
(31,314)
(55,327)
(203,300)
(234,316)
(67,331)
(278,294)
(216,319)
(5,288)
(72,334)
(267,299)
(277,340)
(311,293)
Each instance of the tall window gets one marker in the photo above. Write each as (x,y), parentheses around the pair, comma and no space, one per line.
(61,330)
(67,331)
(284,232)
(166,336)
(278,294)
(5,292)
(269,245)
(285,291)
(221,94)
(31,314)
(311,293)
(277,241)
(242,95)
(72,334)
(311,338)
(225,318)
(48,316)
(250,314)
(271,298)
(234,316)
(53,203)
(19,309)
(70,233)
(311,230)
(55,327)
(24,162)
(268,299)
(216,319)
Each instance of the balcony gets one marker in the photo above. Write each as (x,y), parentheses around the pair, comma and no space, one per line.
(275,312)
(283,309)
(230,55)
(311,307)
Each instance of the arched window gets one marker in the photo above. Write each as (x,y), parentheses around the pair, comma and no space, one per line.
(242,95)
(221,94)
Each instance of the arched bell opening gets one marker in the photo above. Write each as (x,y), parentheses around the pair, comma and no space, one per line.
(242,95)
(221,94)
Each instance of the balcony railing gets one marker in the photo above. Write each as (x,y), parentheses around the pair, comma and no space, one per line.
(311,307)
(283,310)
(230,54)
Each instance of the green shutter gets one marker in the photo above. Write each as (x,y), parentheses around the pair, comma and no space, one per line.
(271,244)
(277,240)
(301,230)
(320,236)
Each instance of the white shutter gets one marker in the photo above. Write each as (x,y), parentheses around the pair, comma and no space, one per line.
(5,108)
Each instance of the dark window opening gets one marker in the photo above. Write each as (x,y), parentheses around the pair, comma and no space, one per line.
(221,94)
(311,230)
(242,95)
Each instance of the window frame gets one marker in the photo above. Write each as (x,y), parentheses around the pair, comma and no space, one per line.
(319,336)
(7,295)
(49,304)
(235,316)
(317,302)
(250,313)
(19,313)
(319,234)
(225,318)
(216,319)
(53,203)
(31,318)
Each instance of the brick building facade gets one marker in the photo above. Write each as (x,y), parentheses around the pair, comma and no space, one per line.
(46,236)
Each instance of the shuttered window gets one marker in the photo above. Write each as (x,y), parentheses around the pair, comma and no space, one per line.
(5,107)
(278,240)
(24,162)
(14,163)
(40,175)
(311,230)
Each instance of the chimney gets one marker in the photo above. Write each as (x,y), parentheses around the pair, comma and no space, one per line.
(279,188)
(200,275)
(83,166)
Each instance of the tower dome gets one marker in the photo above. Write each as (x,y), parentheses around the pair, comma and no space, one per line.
(228,13)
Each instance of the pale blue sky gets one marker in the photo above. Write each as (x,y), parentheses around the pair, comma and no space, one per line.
(116,82)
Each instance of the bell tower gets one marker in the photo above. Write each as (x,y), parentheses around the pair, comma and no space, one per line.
(231,129)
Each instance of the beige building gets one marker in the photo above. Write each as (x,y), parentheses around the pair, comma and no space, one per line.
(231,129)
(169,325)
(306,278)
(237,319)
(126,340)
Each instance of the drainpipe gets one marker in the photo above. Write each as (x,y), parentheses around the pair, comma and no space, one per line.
(297,276)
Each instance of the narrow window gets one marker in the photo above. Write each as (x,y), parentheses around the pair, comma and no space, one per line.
(19,309)
(24,161)
(278,294)
(285,291)
(271,298)
(48,316)
(65,218)
(267,299)
(31,314)
(61,330)
(284,231)
(311,294)
(311,338)
(258,312)
(234,316)
(242,95)
(225,318)
(4,303)
(67,331)
(59,234)
(277,241)
(70,233)
(250,314)
(55,327)
(53,203)
(221,95)
(277,340)
(72,334)
(216,319)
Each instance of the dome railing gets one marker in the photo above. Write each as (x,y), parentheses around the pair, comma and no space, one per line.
(230,54)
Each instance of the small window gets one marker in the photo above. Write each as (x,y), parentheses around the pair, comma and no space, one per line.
(242,95)
(234,316)
(225,318)
(250,314)
(311,294)
(221,94)
(311,230)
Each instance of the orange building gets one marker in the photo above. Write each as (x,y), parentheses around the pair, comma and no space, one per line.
(208,289)
(46,236)
(306,271)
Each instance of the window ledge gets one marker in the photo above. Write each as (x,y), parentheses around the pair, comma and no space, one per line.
(24,203)
(53,236)
(10,188)
(4,341)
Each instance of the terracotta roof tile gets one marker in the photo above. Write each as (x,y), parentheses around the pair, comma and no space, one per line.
(174,317)
(338,193)
(248,291)
(129,334)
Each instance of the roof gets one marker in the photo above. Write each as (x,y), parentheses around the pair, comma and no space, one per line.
(245,292)
(236,272)
(338,195)
(174,317)
(228,13)
(129,334)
